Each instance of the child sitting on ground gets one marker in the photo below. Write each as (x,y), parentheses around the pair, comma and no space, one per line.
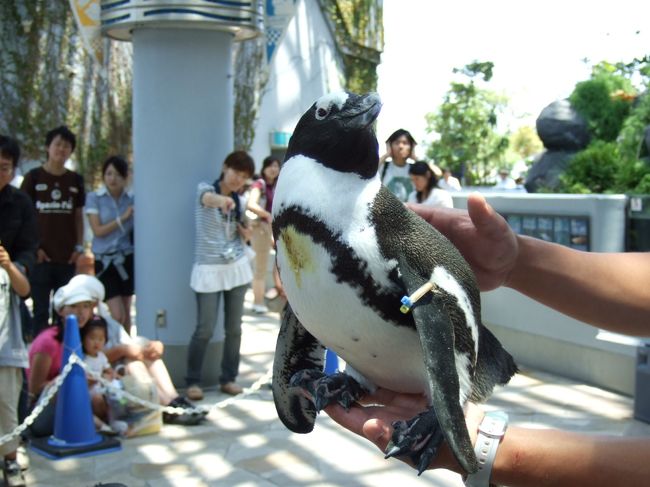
(93,338)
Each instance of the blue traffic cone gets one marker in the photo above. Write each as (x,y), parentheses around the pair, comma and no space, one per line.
(331,362)
(74,429)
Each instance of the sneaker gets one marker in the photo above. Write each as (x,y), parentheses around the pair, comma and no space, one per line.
(119,426)
(231,388)
(185,419)
(260,309)
(183,402)
(272,293)
(194,392)
(106,430)
(13,475)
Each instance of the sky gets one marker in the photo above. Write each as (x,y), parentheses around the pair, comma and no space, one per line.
(538,49)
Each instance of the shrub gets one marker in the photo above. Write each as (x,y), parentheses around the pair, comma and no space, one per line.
(633,130)
(604,103)
(593,170)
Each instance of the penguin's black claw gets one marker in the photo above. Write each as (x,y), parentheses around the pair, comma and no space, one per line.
(324,390)
(419,438)
(305,379)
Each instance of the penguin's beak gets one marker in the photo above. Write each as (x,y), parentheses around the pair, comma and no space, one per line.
(366,111)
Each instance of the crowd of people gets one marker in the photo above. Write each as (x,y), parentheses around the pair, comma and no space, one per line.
(415,180)
(41,241)
(42,237)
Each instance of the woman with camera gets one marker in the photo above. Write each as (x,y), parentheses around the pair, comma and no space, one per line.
(221,271)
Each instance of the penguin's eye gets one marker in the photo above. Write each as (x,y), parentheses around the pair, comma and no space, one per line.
(322,112)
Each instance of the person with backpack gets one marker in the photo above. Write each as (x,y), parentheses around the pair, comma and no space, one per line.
(221,271)
(394,164)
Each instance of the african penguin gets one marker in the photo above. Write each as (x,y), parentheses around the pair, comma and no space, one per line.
(347,251)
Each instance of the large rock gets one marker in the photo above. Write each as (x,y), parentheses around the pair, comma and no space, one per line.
(561,128)
(545,172)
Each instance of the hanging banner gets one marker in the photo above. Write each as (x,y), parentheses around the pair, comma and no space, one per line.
(87,15)
(278,15)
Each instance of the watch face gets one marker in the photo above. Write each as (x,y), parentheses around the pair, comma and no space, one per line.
(494,423)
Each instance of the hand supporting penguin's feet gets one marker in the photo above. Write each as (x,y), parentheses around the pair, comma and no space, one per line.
(324,390)
(420,437)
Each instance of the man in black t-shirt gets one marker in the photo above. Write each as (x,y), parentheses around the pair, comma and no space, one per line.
(58,195)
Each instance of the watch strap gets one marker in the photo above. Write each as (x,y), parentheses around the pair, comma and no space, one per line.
(490,432)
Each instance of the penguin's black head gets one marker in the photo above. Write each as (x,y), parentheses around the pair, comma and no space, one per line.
(338,131)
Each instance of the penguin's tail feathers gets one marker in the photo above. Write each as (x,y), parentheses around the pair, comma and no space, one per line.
(494,366)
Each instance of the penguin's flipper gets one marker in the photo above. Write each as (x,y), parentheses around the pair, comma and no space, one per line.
(436,332)
(296,350)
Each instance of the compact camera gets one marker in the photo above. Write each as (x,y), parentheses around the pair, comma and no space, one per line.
(229,253)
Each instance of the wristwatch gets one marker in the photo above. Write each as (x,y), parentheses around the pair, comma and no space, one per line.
(490,432)
(79,248)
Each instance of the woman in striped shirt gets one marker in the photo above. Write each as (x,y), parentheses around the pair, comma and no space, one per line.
(221,270)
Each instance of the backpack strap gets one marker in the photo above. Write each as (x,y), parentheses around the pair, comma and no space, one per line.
(235,197)
(384,170)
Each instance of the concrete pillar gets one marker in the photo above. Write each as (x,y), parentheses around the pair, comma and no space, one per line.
(183,129)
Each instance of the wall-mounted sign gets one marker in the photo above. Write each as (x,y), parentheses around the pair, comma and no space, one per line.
(572,231)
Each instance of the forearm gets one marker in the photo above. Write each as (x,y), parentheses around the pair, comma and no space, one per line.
(603,289)
(532,457)
(213,200)
(128,352)
(19,281)
(79,225)
(254,203)
(258,210)
(38,376)
(100,230)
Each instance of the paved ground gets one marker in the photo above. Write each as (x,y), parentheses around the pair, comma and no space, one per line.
(244,444)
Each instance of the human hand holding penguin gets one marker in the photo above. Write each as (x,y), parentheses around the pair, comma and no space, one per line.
(375,413)
(482,236)
(347,252)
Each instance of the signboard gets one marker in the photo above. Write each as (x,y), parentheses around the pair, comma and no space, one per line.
(572,231)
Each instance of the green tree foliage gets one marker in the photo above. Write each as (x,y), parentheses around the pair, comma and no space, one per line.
(604,101)
(251,78)
(525,142)
(466,125)
(592,170)
(614,162)
(631,135)
(601,169)
(37,45)
(358,29)
(48,79)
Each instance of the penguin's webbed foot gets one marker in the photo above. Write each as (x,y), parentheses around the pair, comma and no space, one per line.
(419,438)
(324,390)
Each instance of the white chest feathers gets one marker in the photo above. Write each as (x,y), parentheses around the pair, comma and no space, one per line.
(332,309)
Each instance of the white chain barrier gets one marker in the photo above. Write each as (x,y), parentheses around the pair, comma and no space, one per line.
(120,393)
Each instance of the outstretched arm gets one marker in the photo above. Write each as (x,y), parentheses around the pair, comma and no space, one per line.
(526,457)
(608,290)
